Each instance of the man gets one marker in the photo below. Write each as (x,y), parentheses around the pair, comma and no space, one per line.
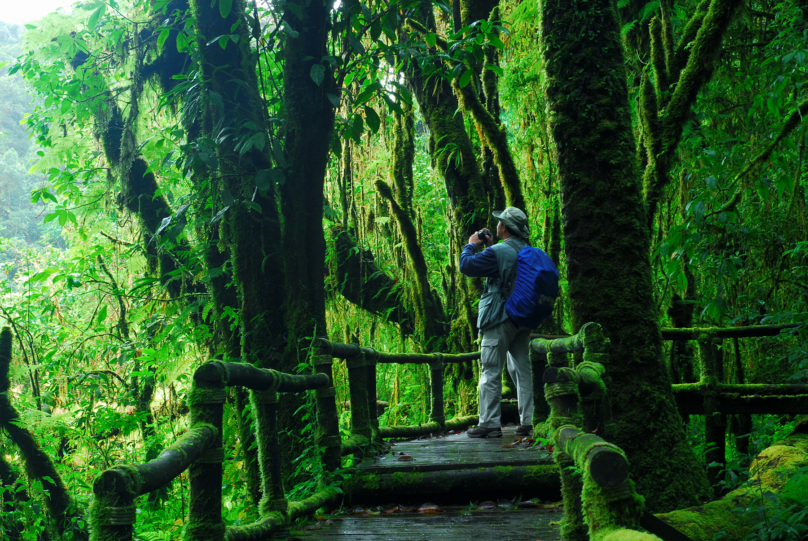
(502,338)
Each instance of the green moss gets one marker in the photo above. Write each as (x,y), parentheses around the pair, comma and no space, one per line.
(5,359)
(771,470)
(609,245)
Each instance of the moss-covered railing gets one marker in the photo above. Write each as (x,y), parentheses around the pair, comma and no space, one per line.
(595,479)
(709,396)
(200,451)
(361,363)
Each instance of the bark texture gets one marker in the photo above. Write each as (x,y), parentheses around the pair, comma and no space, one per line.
(607,242)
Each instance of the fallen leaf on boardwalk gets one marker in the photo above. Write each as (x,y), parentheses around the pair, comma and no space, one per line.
(338,519)
(427,506)
(366,515)
(358,509)
(329,522)
(316,517)
(390,510)
(509,447)
(406,508)
(405,458)
(550,448)
(529,504)
(432,511)
(488,505)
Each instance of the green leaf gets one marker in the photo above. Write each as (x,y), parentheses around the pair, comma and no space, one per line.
(375,30)
(93,21)
(465,78)
(334,99)
(494,40)
(431,39)
(357,45)
(218,216)
(161,39)
(263,180)
(626,28)
(44,275)
(372,119)
(367,93)
(317,73)
(224,7)
(30,27)
(497,70)
(254,206)
(102,314)
(182,43)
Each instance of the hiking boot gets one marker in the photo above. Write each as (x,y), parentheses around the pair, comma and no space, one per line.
(482,432)
(524,430)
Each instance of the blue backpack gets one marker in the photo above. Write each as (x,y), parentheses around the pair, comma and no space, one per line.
(535,288)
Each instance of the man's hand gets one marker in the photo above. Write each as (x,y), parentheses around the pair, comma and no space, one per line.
(477,241)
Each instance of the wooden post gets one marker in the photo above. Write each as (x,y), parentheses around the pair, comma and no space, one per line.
(436,386)
(205,522)
(269,451)
(742,422)
(112,513)
(714,429)
(357,381)
(541,409)
(327,418)
(597,414)
(370,375)
(561,392)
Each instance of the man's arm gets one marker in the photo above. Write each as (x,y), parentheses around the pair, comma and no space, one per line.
(479,265)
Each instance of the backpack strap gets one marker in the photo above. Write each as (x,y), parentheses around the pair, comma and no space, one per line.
(506,286)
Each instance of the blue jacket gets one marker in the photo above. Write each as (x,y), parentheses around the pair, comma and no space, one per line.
(489,264)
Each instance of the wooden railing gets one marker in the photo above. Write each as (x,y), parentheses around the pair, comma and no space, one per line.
(200,451)
(594,473)
(361,363)
(714,399)
(574,399)
(710,396)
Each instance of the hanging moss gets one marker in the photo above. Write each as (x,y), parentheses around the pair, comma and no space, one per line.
(62,510)
(428,314)
(363,283)
(702,53)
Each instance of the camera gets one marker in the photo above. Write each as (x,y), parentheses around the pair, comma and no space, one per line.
(484,235)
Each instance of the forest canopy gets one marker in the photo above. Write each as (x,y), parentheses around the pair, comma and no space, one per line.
(184,180)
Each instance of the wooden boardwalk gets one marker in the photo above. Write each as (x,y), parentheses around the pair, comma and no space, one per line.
(450,524)
(455,488)
(457,452)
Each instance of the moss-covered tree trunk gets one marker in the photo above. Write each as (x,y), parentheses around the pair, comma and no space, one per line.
(607,242)
(307,131)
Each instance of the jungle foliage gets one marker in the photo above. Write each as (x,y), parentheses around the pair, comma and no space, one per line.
(234,179)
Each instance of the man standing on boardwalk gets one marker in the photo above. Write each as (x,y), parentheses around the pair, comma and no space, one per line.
(503,341)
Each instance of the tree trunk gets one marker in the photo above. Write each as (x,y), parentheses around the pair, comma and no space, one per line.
(607,242)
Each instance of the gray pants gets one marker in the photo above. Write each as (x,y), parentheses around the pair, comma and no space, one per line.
(501,343)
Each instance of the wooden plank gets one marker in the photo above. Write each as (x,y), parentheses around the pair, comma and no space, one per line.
(457,451)
(454,524)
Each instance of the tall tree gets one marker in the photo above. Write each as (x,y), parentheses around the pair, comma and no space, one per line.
(607,242)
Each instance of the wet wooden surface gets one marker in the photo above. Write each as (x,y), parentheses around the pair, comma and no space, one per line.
(457,451)
(449,524)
